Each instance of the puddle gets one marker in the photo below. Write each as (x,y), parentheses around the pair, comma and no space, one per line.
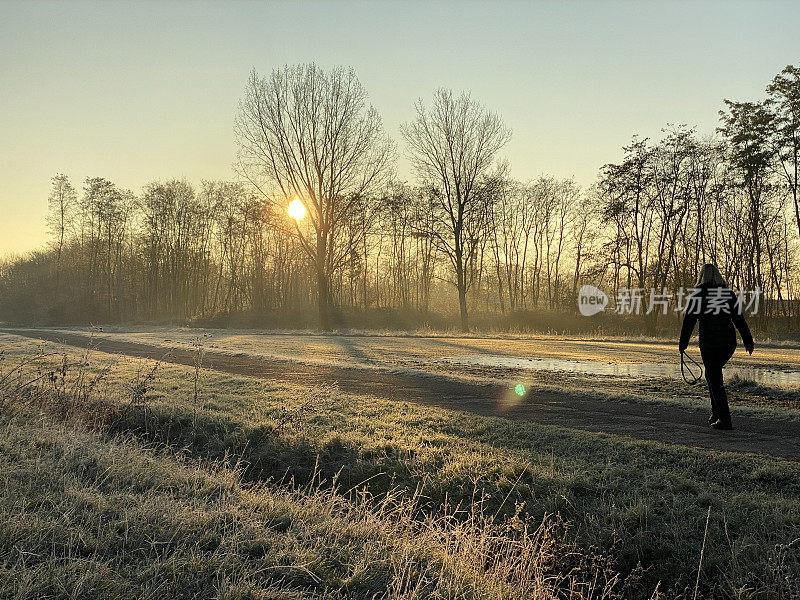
(768,377)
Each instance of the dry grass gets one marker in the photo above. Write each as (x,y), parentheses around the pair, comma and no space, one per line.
(388,499)
(390,350)
(86,517)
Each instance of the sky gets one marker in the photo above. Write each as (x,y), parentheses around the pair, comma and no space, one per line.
(143,91)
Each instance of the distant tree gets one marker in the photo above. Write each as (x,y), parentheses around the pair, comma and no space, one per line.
(671,195)
(628,209)
(784,103)
(452,146)
(62,205)
(175,226)
(584,233)
(564,196)
(105,217)
(507,222)
(747,127)
(311,135)
(422,201)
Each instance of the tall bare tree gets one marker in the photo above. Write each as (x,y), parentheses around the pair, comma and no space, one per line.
(62,204)
(451,146)
(784,103)
(747,126)
(310,134)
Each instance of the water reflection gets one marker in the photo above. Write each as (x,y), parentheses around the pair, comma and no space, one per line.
(769,377)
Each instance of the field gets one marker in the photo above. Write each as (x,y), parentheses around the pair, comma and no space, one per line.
(275,465)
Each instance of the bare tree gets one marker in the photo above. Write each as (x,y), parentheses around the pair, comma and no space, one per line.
(310,134)
(784,103)
(584,233)
(747,126)
(62,204)
(452,146)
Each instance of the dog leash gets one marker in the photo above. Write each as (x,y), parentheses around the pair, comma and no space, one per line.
(685,368)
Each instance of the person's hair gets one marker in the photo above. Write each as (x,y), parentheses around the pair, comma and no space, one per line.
(710,274)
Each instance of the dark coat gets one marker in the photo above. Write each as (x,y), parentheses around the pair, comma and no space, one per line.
(718,310)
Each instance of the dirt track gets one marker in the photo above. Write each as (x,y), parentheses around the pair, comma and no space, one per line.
(647,421)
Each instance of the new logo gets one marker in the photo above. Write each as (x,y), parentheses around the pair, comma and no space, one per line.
(591,300)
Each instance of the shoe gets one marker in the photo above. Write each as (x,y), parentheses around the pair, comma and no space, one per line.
(720,424)
(711,418)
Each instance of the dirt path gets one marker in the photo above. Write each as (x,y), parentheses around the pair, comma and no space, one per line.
(647,421)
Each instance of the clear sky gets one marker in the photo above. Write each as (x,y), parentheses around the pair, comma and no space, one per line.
(140,91)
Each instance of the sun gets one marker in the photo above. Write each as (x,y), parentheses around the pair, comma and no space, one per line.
(296,210)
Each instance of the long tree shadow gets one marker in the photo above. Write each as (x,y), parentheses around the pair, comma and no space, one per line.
(353,351)
(597,412)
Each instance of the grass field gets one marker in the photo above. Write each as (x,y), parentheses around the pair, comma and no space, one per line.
(132,479)
(445,355)
(389,347)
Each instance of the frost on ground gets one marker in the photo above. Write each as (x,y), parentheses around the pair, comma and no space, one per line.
(620,368)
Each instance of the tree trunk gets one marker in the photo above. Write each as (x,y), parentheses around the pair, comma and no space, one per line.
(461,284)
(322,300)
(462,303)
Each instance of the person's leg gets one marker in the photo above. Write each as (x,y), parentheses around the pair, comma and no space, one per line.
(719,402)
(710,365)
(719,397)
(724,412)
(713,416)
(714,360)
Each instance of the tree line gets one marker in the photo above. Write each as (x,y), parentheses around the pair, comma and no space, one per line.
(464,236)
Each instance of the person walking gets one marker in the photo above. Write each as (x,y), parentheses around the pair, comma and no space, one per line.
(717,309)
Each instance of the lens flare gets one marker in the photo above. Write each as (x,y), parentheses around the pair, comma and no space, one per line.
(513,395)
(296,210)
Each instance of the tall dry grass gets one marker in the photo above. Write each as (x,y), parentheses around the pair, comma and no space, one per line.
(342,540)
(87,514)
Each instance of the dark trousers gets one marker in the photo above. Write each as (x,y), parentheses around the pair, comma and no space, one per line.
(713,361)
